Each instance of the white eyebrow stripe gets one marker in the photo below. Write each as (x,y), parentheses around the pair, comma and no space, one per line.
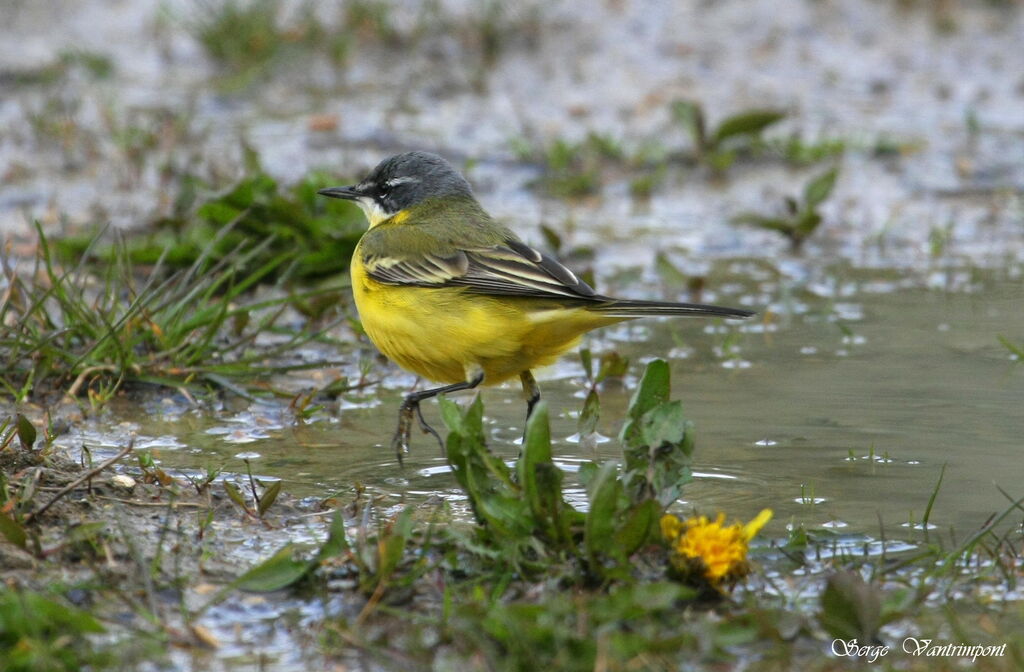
(395,181)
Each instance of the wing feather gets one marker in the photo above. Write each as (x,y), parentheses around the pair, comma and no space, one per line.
(511,269)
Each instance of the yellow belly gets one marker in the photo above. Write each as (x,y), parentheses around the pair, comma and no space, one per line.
(445,334)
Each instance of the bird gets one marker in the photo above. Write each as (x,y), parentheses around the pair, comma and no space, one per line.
(451,294)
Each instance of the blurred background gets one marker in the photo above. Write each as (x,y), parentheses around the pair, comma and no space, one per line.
(112,111)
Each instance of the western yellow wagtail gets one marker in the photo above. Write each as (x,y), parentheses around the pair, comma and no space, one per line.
(452,295)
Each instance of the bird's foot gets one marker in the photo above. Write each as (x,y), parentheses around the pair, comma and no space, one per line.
(400,442)
(427,429)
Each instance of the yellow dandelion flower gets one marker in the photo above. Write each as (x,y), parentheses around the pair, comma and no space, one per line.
(671,527)
(711,549)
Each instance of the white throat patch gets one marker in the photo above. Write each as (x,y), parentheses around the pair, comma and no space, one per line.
(374,213)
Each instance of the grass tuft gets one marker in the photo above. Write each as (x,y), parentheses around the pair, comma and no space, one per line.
(77,332)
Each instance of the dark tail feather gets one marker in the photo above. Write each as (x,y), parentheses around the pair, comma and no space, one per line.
(628,308)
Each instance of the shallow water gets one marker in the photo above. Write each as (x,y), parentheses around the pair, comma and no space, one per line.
(832,426)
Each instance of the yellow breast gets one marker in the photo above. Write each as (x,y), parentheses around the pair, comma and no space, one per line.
(444,333)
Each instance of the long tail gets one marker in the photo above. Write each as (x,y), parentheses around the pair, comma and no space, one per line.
(628,308)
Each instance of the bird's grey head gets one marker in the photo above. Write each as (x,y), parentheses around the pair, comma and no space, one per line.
(400,182)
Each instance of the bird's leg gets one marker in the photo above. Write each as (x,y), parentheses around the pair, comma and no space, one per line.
(531,390)
(411,407)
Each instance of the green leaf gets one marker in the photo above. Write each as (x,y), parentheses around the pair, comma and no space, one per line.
(850,608)
(269,496)
(551,238)
(590,414)
(86,532)
(691,116)
(613,365)
(26,432)
(663,424)
(605,493)
(493,494)
(751,122)
(806,223)
(536,450)
(587,474)
(654,389)
(639,526)
(587,359)
(669,272)
(762,222)
(451,415)
(553,508)
(721,159)
(13,531)
(276,572)
(337,539)
(818,189)
(392,544)
(235,494)
(1015,350)
(218,212)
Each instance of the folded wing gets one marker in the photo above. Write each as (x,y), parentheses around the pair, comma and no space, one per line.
(511,269)
(516,269)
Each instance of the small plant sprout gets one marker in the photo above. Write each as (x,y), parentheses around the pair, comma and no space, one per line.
(718,148)
(1016,350)
(800,219)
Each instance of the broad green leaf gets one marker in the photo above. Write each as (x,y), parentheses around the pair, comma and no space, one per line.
(762,222)
(450,414)
(818,189)
(613,365)
(721,159)
(561,515)
(663,424)
(638,527)
(587,359)
(536,450)
(13,531)
(337,539)
(654,389)
(806,224)
(551,237)
(392,544)
(269,496)
(590,414)
(276,572)
(218,212)
(85,532)
(750,122)
(691,116)
(235,495)
(587,473)
(26,432)
(850,608)
(669,272)
(599,527)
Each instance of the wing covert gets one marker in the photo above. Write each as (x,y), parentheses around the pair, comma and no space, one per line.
(511,269)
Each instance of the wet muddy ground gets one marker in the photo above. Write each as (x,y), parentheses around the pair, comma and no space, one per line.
(874,364)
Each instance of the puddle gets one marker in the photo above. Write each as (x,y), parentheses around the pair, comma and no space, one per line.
(839,418)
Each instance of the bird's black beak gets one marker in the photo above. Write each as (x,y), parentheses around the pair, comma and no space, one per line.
(347,193)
